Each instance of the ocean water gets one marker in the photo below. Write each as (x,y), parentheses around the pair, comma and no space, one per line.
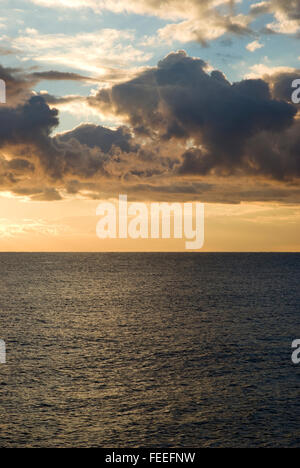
(149,350)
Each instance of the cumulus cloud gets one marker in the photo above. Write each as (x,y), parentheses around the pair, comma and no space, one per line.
(186,130)
(89,154)
(279,79)
(95,136)
(281,84)
(180,99)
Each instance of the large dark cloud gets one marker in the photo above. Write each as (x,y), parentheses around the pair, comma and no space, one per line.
(88,153)
(27,127)
(180,100)
(189,131)
(27,123)
(30,126)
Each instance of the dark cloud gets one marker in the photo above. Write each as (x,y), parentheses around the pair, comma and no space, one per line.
(180,99)
(20,165)
(87,152)
(189,131)
(60,76)
(19,83)
(48,194)
(29,127)
(24,124)
(95,136)
(281,84)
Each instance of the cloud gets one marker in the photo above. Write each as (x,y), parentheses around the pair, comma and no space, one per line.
(208,26)
(194,20)
(6,51)
(261,70)
(253,46)
(167,9)
(199,20)
(60,76)
(186,130)
(10,228)
(180,99)
(286,15)
(88,153)
(19,83)
(281,84)
(99,52)
(279,79)
(48,194)
(205,29)
(95,136)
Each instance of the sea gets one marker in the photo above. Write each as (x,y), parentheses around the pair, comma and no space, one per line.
(149,350)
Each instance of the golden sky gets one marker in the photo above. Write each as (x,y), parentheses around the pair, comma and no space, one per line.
(178,101)
(71,226)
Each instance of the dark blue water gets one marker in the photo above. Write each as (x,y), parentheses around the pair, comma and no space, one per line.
(149,350)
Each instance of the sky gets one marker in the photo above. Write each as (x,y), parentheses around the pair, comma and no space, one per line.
(165,101)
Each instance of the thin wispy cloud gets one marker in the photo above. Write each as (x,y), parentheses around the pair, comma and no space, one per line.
(94,52)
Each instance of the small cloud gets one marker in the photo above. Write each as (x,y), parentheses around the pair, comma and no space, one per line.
(253,46)
(260,70)
(31,31)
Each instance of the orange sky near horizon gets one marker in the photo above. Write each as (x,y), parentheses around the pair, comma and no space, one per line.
(70,226)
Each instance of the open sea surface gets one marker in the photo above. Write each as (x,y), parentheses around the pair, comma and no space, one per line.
(149,350)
